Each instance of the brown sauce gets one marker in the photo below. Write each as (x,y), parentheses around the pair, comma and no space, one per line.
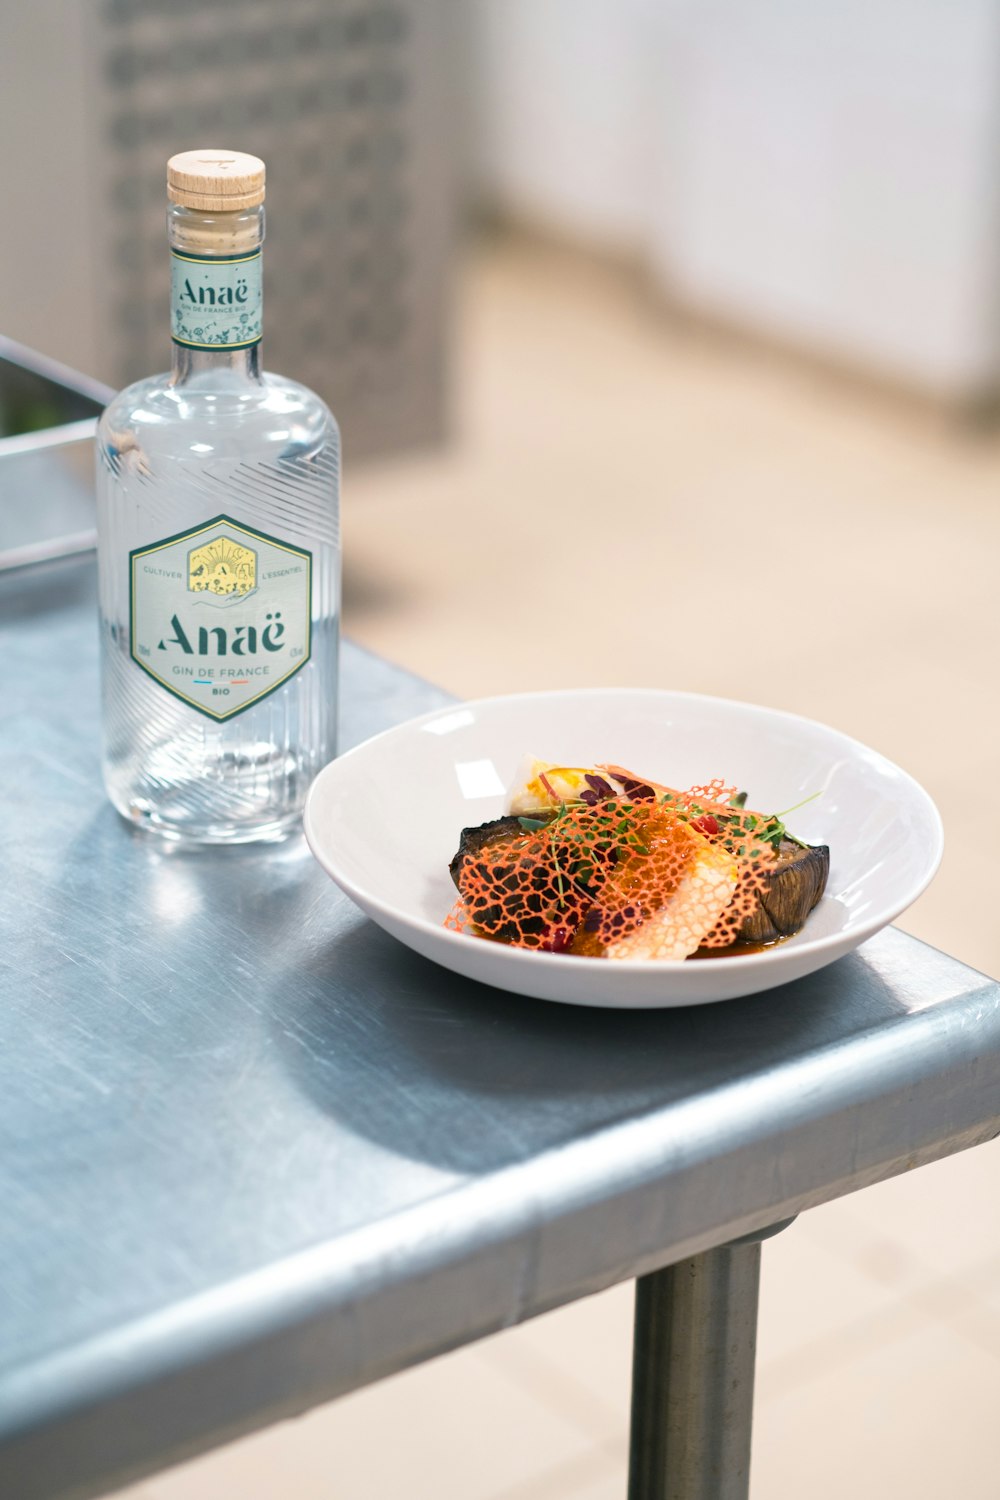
(737,950)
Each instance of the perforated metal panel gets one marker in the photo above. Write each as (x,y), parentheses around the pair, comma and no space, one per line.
(348,104)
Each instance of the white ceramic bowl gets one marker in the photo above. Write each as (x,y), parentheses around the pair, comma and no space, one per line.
(384,821)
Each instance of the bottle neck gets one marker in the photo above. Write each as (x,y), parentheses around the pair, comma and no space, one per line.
(216,304)
(214,366)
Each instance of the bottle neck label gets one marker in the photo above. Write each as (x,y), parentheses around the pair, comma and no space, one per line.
(216,302)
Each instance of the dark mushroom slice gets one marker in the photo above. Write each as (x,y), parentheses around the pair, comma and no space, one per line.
(518,889)
(793,888)
(514,912)
(474,840)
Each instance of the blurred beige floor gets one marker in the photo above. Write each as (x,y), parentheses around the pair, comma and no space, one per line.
(629,502)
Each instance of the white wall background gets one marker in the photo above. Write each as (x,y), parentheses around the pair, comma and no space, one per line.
(828,172)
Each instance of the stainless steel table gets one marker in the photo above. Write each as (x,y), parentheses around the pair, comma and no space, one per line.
(256,1154)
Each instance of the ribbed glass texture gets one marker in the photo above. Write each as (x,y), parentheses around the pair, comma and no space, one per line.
(215,437)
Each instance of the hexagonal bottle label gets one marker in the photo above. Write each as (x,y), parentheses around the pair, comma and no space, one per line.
(221,615)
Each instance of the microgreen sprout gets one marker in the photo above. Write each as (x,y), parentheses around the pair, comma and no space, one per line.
(811,798)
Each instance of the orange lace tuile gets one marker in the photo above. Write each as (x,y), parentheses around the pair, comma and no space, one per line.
(655,873)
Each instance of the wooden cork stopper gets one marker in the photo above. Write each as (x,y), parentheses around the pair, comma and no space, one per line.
(215,181)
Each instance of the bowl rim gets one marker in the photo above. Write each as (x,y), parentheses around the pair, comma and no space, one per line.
(858,935)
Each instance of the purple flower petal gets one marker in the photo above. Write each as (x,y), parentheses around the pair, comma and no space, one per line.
(637,791)
(598,785)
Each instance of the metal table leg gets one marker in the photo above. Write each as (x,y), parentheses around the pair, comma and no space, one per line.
(692,1375)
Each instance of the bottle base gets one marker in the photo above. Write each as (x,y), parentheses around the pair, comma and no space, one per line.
(271,830)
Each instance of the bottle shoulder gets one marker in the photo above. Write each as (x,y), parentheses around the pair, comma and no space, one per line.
(161,416)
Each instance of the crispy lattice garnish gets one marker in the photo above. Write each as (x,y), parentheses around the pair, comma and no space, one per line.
(651,873)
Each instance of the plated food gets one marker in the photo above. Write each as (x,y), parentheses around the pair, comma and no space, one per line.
(384,820)
(602,862)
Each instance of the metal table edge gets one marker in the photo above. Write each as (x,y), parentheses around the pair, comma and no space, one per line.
(327,1320)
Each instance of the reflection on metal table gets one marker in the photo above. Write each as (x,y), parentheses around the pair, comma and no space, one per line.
(255,1154)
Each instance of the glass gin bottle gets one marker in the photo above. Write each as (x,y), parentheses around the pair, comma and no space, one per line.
(219,553)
